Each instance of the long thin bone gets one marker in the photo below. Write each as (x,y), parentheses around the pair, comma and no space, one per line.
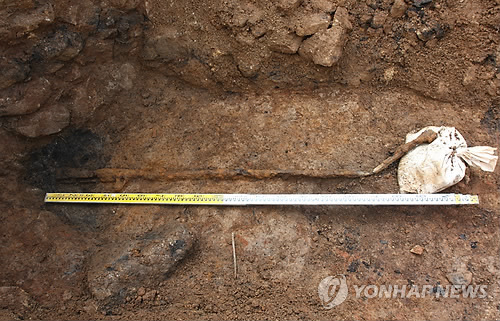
(426,137)
(107,175)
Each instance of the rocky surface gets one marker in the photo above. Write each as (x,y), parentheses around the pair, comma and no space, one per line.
(248,46)
(121,269)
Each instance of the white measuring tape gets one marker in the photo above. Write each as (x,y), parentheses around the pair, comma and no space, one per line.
(264,199)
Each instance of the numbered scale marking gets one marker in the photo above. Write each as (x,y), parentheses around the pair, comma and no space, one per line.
(264,199)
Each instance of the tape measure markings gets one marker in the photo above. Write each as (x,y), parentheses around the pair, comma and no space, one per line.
(264,199)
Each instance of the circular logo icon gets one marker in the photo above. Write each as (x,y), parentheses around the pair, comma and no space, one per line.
(333,291)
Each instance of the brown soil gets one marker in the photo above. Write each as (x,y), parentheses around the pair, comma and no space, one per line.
(182,85)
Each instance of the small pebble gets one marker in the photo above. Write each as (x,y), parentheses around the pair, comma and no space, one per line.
(141,291)
(379,19)
(398,9)
(417,249)
(67,295)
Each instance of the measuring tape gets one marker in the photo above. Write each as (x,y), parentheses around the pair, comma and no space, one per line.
(264,199)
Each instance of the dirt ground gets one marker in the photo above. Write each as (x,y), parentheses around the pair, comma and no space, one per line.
(178,85)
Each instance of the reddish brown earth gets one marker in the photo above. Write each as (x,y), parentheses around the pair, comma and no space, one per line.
(179,85)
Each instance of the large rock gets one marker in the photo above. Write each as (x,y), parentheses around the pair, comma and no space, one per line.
(45,122)
(83,14)
(35,94)
(62,45)
(285,42)
(398,8)
(313,23)
(125,4)
(342,19)
(118,270)
(12,71)
(23,22)
(326,46)
(166,45)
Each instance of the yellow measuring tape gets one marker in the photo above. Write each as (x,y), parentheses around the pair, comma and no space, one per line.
(264,199)
(134,198)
